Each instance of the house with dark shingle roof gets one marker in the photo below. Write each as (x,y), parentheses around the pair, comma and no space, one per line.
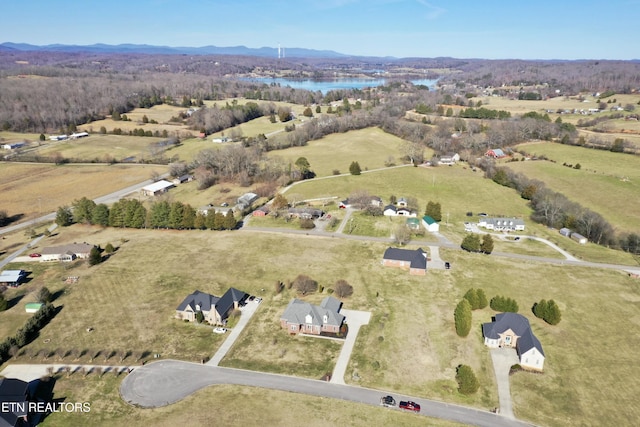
(415,260)
(14,397)
(303,317)
(215,309)
(514,331)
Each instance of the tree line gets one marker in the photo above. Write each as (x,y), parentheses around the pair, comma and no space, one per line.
(131,213)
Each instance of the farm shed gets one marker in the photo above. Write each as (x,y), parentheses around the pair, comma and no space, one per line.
(565,232)
(32,307)
(12,278)
(430,224)
(156,188)
(579,238)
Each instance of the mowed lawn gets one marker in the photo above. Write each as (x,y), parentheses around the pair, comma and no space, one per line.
(32,190)
(410,345)
(607,183)
(370,147)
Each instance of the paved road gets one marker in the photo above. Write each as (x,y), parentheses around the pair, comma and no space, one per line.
(163,383)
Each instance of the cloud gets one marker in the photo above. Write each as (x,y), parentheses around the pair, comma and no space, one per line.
(433,10)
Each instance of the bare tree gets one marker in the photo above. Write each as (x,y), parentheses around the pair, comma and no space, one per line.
(343,289)
(305,284)
(402,235)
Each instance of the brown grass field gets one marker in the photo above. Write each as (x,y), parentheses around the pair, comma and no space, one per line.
(37,189)
(130,300)
(260,407)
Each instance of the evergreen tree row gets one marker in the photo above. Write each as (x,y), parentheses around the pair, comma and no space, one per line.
(131,213)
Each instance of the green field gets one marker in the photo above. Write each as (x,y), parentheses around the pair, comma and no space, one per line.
(371,148)
(457,189)
(605,183)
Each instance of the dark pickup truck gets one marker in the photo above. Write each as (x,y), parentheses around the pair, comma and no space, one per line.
(409,406)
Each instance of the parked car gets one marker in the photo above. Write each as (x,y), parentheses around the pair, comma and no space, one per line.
(219,330)
(225,204)
(258,300)
(409,406)
(447,265)
(35,255)
(388,401)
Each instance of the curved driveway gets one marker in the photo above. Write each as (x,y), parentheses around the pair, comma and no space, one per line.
(169,381)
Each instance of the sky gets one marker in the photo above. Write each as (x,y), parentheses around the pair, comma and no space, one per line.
(488,29)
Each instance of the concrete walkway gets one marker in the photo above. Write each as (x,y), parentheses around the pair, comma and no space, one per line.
(247,312)
(355,319)
(503,359)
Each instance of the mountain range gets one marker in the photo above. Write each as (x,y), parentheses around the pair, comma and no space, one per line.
(167,50)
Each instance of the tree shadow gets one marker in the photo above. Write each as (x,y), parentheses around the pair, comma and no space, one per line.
(57,294)
(11,219)
(14,301)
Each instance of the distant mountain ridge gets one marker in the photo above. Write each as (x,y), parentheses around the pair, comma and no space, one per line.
(168,50)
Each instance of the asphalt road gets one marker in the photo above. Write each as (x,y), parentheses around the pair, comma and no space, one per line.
(165,382)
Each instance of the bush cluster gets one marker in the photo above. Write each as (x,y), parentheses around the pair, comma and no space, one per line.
(547,311)
(500,303)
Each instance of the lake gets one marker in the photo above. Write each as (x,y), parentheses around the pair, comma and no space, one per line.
(325,86)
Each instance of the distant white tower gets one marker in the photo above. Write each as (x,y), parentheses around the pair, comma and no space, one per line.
(278,50)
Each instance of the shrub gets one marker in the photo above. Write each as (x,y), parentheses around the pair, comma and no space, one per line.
(500,303)
(471,243)
(547,311)
(354,168)
(477,299)
(467,381)
(462,317)
(43,295)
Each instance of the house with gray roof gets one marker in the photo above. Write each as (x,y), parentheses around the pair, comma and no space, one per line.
(15,397)
(66,253)
(303,317)
(414,260)
(513,330)
(215,309)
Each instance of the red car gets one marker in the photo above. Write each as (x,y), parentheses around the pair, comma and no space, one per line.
(409,406)
(35,255)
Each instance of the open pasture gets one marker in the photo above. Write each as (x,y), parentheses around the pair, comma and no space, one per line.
(102,148)
(371,148)
(607,183)
(32,190)
(458,190)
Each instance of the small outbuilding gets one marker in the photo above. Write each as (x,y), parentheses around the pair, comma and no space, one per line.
(33,307)
(430,224)
(579,238)
(156,188)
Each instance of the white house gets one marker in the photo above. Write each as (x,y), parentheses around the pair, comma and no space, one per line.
(67,253)
(513,330)
(449,159)
(502,224)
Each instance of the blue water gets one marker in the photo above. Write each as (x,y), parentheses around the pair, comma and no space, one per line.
(325,86)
